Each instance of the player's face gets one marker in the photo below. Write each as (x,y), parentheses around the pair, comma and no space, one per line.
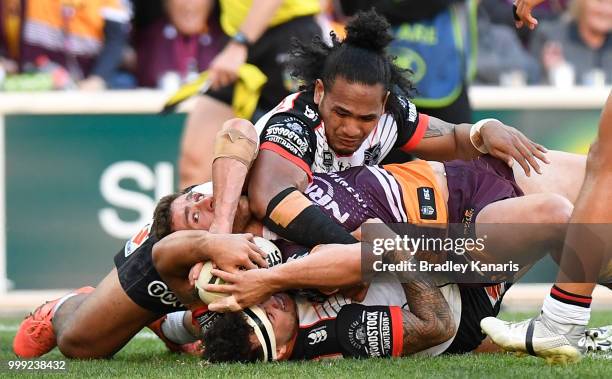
(282,313)
(192,210)
(195,210)
(350,112)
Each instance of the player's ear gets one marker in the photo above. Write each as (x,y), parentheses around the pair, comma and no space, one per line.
(282,352)
(319,91)
(385,101)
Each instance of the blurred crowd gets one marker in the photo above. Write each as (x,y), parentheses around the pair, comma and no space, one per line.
(119,44)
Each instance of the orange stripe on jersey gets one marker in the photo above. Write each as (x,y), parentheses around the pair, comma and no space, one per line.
(412,176)
(289,208)
(287,155)
(397,325)
(418,133)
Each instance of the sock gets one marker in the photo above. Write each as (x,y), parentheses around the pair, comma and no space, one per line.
(174,329)
(62,300)
(567,308)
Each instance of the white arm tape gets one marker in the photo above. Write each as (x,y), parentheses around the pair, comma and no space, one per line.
(475,136)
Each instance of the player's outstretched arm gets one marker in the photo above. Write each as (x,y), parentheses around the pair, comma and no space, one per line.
(444,141)
(327,266)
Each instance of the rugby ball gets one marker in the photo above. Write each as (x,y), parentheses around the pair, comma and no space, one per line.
(273,258)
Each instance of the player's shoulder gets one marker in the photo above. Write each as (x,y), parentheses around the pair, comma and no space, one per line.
(409,110)
(297,109)
(141,240)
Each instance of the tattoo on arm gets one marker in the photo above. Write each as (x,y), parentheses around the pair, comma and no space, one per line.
(428,320)
(437,128)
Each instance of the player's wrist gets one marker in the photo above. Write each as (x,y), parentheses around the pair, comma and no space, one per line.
(276,280)
(241,39)
(476,134)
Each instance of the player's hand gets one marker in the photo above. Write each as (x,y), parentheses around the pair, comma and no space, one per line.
(357,232)
(223,70)
(523,15)
(508,144)
(233,252)
(246,288)
(599,339)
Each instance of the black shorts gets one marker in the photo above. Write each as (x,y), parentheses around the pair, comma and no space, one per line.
(476,304)
(270,54)
(141,281)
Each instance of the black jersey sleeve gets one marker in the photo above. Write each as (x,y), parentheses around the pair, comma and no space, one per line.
(292,138)
(370,331)
(411,124)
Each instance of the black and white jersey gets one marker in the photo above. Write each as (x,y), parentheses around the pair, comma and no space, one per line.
(294,130)
(339,327)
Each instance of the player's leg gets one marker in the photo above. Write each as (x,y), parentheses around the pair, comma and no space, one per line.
(36,334)
(201,126)
(102,324)
(80,323)
(563,175)
(558,333)
(534,225)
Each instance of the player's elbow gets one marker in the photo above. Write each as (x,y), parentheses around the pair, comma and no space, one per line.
(444,327)
(245,127)
(259,199)
(438,328)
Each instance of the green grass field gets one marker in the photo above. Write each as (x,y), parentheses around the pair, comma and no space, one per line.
(146,357)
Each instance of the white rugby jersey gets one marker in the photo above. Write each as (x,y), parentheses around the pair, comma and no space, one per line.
(320,336)
(294,130)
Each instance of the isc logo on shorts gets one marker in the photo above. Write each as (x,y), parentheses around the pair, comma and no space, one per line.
(137,240)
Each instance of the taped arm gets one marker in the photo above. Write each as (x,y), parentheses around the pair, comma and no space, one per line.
(275,192)
(235,151)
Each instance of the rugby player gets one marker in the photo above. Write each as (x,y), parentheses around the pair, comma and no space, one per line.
(391,192)
(80,323)
(353,111)
(96,323)
(557,333)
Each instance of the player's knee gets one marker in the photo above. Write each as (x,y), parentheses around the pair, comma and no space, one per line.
(74,344)
(554,209)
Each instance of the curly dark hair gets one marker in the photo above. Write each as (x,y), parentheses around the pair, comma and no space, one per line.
(360,58)
(162,216)
(228,340)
